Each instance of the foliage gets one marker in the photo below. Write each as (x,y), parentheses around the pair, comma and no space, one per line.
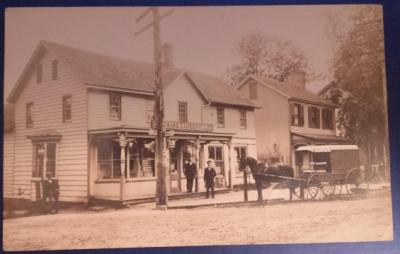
(266,57)
(358,72)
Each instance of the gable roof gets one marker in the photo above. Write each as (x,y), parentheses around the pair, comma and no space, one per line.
(290,91)
(103,71)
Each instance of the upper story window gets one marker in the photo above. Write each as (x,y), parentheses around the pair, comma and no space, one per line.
(66,108)
(182,112)
(29,115)
(253,90)
(54,69)
(115,106)
(220,117)
(243,119)
(327,119)
(313,117)
(39,73)
(297,114)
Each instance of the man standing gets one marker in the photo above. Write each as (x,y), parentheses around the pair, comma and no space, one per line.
(209,174)
(190,173)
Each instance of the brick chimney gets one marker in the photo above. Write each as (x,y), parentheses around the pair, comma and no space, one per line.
(167,55)
(298,79)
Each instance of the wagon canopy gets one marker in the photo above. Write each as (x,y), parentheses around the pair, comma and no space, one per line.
(326,148)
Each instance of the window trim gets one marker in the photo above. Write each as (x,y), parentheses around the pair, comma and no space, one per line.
(64,119)
(119,116)
(323,117)
(220,117)
(39,73)
(54,70)
(29,114)
(311,111)
(299,116)
(183,114)
(243,119)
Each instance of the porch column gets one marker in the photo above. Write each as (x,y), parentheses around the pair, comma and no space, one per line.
(200,170)
(122,143)
(230,173)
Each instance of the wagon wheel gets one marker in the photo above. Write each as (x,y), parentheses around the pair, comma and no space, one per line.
(328,184)
(356,182)
(298,188)
(313,185)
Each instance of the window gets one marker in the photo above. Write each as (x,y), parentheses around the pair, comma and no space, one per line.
(253,90)
(44,159)
(241,151)
(182,112)
(297,111)
(313,117)
(243,119)
(29,115)
(54,69)
(220,117)
(115,107)
(39,73)
(215,153)
(66,108)
(327,119)
(108,160)
(137,152)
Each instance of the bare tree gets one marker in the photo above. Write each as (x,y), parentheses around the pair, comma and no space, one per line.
(266,57)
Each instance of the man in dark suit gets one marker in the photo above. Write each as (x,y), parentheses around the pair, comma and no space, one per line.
(190,173)
(209,174)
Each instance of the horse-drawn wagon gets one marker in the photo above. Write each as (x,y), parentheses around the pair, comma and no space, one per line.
(321,171)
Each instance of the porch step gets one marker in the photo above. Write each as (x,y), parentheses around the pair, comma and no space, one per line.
(130,202)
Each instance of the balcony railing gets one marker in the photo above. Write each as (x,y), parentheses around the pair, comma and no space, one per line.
(187,126)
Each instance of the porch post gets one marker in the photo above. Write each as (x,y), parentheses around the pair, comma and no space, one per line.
(122,143)
(200,171)
(198,147)
(230,163)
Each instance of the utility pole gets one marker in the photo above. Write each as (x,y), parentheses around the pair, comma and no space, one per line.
(161,148)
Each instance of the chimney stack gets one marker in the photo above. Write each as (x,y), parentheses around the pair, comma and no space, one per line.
(167,55)
(298,79)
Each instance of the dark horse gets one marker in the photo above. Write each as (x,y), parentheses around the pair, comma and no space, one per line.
(259,171)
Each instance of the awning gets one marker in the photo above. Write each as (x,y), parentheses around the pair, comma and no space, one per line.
(326,148)
(327,138)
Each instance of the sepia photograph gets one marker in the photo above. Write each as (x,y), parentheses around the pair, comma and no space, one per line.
(130,127)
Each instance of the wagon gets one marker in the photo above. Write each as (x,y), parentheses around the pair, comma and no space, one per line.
(327,170)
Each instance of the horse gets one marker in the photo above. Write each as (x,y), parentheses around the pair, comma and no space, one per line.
(275,174)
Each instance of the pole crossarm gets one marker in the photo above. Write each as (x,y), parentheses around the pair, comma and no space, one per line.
(153,22)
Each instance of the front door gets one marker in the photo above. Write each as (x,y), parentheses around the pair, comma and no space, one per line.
(174,170)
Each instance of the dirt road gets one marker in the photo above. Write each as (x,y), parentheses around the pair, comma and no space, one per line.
(350,220)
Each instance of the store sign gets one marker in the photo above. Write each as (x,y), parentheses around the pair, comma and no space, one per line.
(188,126)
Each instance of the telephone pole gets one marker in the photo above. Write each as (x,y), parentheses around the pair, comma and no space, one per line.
(161,148)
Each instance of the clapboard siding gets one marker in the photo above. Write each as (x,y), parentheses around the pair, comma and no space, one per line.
(8,164)
(72,147)
(133,111)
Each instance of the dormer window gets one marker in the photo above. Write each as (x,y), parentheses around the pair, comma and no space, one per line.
(115,106)
(313,117)
(54,68)
(39,73)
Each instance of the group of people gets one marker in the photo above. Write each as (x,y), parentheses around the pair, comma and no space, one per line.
(190,170)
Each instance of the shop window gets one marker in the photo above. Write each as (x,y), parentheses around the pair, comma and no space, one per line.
(108,159)
(313,117)
(240,151)
(216,154)
(44,159)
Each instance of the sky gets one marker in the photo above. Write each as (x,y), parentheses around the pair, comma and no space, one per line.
(203,38)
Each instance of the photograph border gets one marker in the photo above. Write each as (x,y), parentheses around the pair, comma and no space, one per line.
(391,15)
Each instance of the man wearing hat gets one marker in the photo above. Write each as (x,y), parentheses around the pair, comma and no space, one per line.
(209,174)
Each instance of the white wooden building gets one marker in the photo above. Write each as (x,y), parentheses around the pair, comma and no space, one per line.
(71,107)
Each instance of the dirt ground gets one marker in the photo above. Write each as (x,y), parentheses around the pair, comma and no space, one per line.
(301,222)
